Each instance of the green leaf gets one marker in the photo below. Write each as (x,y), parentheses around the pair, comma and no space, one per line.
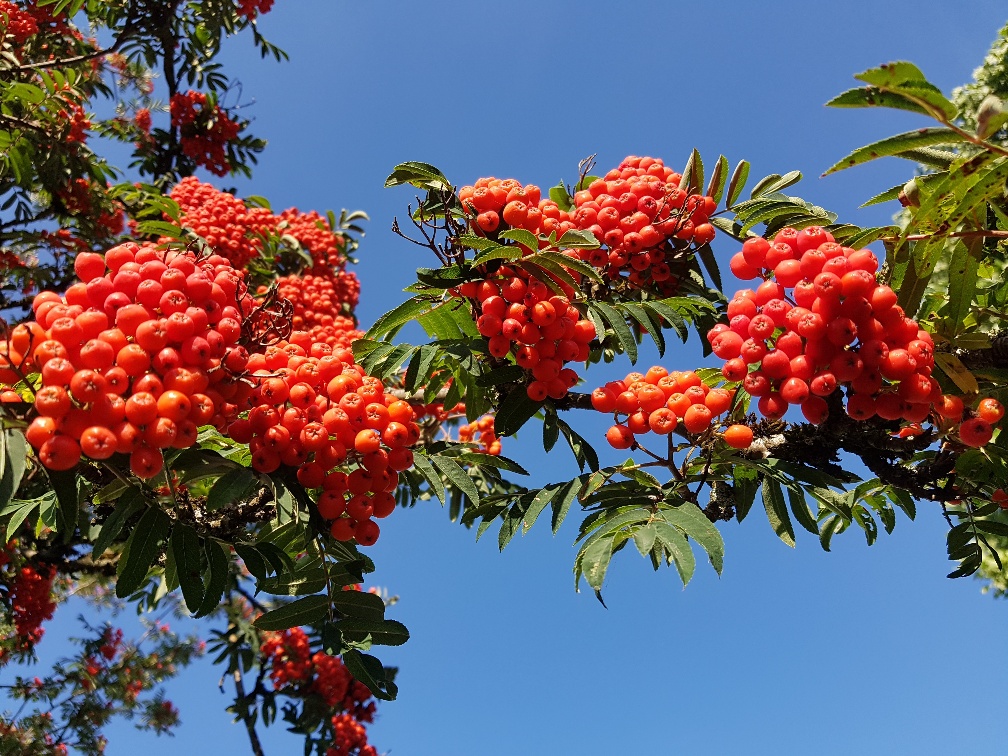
(594,560)
(618,324)
(578,239)
(255,563)
(777,514)
(302,611)
(382,632)
(497,252)
(220,570)
(962,286)
(561,504)
(717,180)
(679,550)
(131,502)
(418,370)
(514,411)
(745,482)
(457,477)
(584,453)
(420,175)
(15,450)
(187,548)
(368,670)
(644,538)
(521,236)
(953,367)
(68,499)
(832,524)
(396,318)
(231,487)
(308,578)
(423,465)
(706,255)
(873,97)
(690,519)
(142,550)
(19,514)
(693,174)
(561,196)
(160,228)
(737,182)
(896,145)
(800,508)
(360,604)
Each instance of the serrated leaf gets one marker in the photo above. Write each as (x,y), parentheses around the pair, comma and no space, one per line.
(457,477)
(219,571)
(309,578)
(777,514)
(231,487)
(897,144)
(693,174)
(369,671)
(131,502)
(382,632)
(560,195)
(514,411)
(873,97)
(594,561)
(420,175)
(679,550)
(717,180)
(423,465)
(800,508)
(521,236)
(745,482)
(394,319)
(68,499)
(584,453)
(953,367)
(142,550)
(257,565)
(618,324)
(359,604)
(831,525)
(689,518)
(302,611)
(644,538)
(737,182)
(187,549)
(577,239)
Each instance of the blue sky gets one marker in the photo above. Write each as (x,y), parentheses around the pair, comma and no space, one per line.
(866,650)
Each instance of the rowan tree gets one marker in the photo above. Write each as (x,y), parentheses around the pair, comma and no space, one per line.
(194,424)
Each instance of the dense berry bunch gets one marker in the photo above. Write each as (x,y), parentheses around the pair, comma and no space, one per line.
(818,321)
(205,130)
(134,357)
(314,409)
(314,234)
(16,22)
(230,228)
(502,204)
(288,655)
(323,305)
(32,602)
(482,432)
(657,401)
(521,317)
(644,221)
(296,671)
(142,119)
(252,8)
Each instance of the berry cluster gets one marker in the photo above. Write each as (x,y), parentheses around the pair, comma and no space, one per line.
(499,204)
(821,322)
(481,432)
(322,305)
(252,8)
(520,316)
(643,220)
(656,401)
(313,233)
(16,22)
(313,408)
(32,602)
(230,228)
(295,671)
(205,130)
(134,357)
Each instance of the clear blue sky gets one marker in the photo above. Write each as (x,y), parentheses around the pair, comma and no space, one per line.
(863,650)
